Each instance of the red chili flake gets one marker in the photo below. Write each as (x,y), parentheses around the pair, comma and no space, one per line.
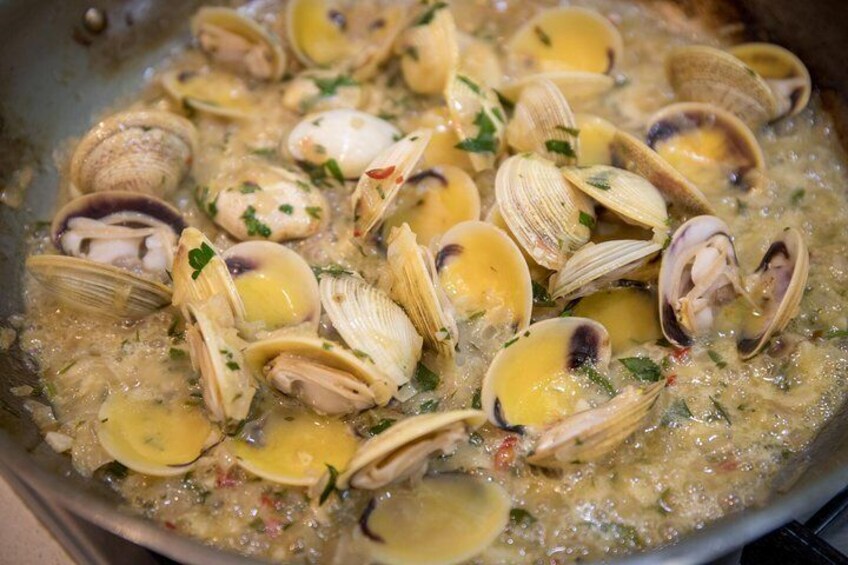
(505,454)
(728,465)
(225,479)
(670,380)
(170,525)
(381,174)
(273,527)
(399,179)
(680,354)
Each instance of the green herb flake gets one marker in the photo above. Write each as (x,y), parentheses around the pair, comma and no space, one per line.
(257,525)
(599,181)
(470,84)
(475,439)
(561,147)
(412,52)
(286,209)
(797,196)
(314,211)
(717,359)
(429,406)
(598,379)
(477,399)
(326,346)
(381,426)
(521,517)
(425,379)
(330,86)
(233,366)
(485,142)
(66,368)
(836,334)
(253,224)
(510,342)
(198,258)
(541,296)
(249,187)
(362,355)
(643,368)
(331,270)
(176,354)
(721,411)
(333,167)
(677,411)
(429,14)
(624,533)
(476,315)
(266,152)
(587,220)
(570,131)
(542,36)
(331,484)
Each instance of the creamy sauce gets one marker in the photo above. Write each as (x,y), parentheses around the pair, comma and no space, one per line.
(710,447)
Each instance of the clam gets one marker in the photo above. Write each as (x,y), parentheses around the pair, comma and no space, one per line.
(372,324)
(478,118)
(152,435)
(484,275)
(433,201)
(216,353)
(543,123)
(293,446)
(383,178)
(429,52)
(212,92)
(546,215)
(629,313)
(479,58)
(237,42)
(494,217)
(415,289)
(444,519)
(590,434)
(402,451)
(551,370)
(323,375)
(576,86)
(782,70)
(319,90)
(275,284)
(148,151)
(442,150)
(251,199)
(709,146)
(698,73)
(597,265)
(352,139)
(628,195)
(596,140)
(776,288)
(699,273)
(567,38)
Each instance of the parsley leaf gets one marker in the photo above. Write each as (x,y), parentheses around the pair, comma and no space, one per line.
(521,516)
(485,142)
(333,167)
(429,406)
(381,426)
(542,36)
(541,296)
(470,84)
(642,368)
(599,180)
(561,147)
(253,224)
(329,86)
(797,196)
(286,209)
(425,379)
(249,187)
(477,399)
(677,410)
(587,220)
(570,131)
(598,379)
(429,14)
(721,411)
(331,484)
(199,258)
(717,359)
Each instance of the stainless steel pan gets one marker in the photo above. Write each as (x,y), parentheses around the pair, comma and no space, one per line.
(53,77)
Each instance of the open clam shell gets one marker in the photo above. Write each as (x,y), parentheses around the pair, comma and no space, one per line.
(319,90)
(371,323)
(699,272)
(383,178)
(544,212)
(442,149)
(444,519)
(776,287)
(479,58)
(478,118)
(699,73)
(546,373)
(709,146)
(782,70)
(323,375)
(415,288)
(544,124)
(590,434)
(494,217)
(597,265)
(237,42)
(148,151)
(212,92)
(576,86)
(276,285)
(484,275)
(629,313)
(429,53)
(153,437)
(596,140)
(401,452)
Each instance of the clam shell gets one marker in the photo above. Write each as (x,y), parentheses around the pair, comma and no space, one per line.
(429,53)
(596,140)
(597,265)
(782,70)
(98,288)
(370,322)
(576,86)
(543,123)
(148,151)
(542,209)
(628,312)
(414,287)
(478,118)
(320,90)
(212,92)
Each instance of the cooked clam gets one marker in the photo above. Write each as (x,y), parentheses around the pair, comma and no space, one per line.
(415,288)
(479,58)
(484,275)
(629,313)
(383,178)
(576,86)
(567,38)
(429,52)
(402,451)
(276,286)
(293,447)
(596,140)
(543,123)
(478,118)
(546,215)
(442,150)
(709,146)
(433,201)
(782,70)
(776,288)
(445,519)
(152,436)
(494,217)
(372,324)
(319,90)
(212,92)
(549,371)
(598,265)
(237,42)
(323,375)
(148,151)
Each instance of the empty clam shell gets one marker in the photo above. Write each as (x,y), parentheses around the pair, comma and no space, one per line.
(323,375)
(235,41)
(543,123)
(384,176)
(402,451)
(782,70)
(415,288)
(212,92)
(148,151)
(595,266)
(590,434)
(709,146)
(371,323)
(545,214)
(478,118)
(776,287)
(484,275)
(429,53)
(629,313)
(444,519)
(698,73)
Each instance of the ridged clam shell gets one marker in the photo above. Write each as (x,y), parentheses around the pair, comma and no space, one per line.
(429,53)
(544,124)
(782,70)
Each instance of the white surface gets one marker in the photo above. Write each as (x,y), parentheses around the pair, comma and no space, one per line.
(23,540)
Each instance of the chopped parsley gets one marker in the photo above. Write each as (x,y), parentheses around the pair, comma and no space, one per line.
(66,368)
(542,36)
(267,152)
(599,180)
(314,211)
(381,426)
(677,411)
(429,406)
(598,379)
(485,142)
(510,342)
(429,14)
(721,411)
(199,257)
(176,354)
(286,209)
(362,355)
(253,224)
(717,359)
(561,147)
(835,334)
(425,379)
(477,400)
(469,83)
(797,196)
(331,484)
(202,199)
(476,315)
(333,167)
(412,51)
(521,516)
(541,296)
(332,270)
(330,86)
(587,220)
(233,366)
(570,131)
(326,346)
(643,368)
(249,187)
